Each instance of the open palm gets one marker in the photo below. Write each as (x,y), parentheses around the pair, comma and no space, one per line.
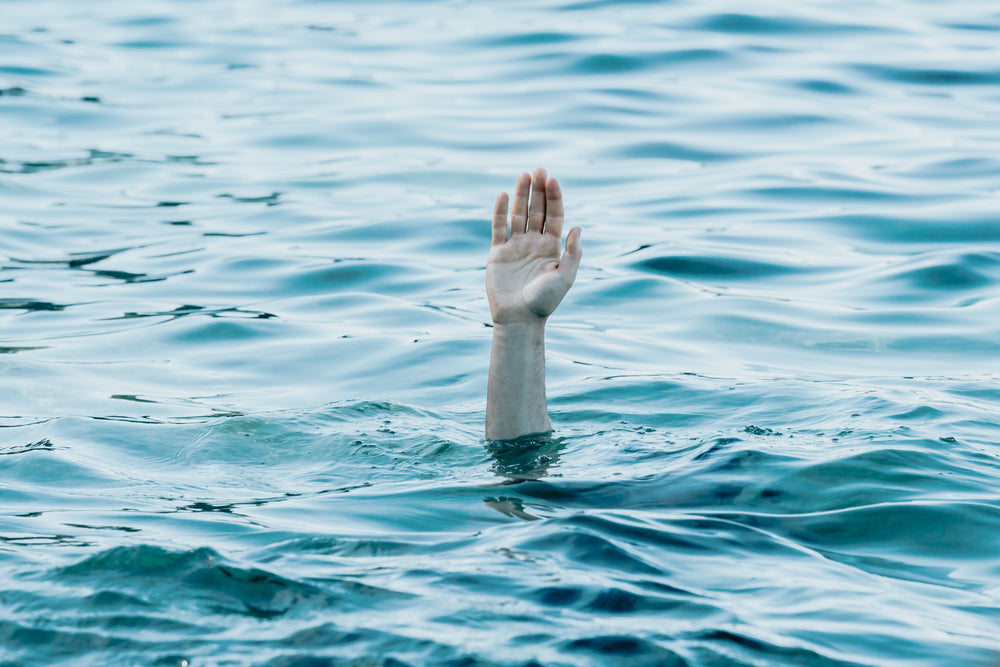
(526,277)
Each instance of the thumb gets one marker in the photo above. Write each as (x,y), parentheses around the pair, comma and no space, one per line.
(570,261)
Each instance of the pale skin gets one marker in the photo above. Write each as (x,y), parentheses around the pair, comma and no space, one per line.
(526,278)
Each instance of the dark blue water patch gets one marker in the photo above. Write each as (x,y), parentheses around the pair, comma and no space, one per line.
(839,195)
(929,77)
(222,331)
(620,63)
(957,169)
(645,94)
(652,402)
(825,86)
(202,579)
(354,275)
(527,458)
(580,546)
(956,346)
(138,623)
(7,349)
(957,276)
(725,648)
(390,661)
(714,268)
(31,305)
(146,21)
(619,601)
(890,229)
(979,27)
(983,391)
(526,39)
(328,634)
(607,63)
(352,547)
(749,24)
(330,646)
(625,648)
(56,645)
(785,122)
(664,150)
(892,472)
(107,635)
(949,277)
(893,569)
(14,70)
(689,56)
(948,532)
(149,44)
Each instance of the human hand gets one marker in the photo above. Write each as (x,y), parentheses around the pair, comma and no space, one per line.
(526,278)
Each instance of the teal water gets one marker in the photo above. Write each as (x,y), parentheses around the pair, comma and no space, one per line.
(243,341)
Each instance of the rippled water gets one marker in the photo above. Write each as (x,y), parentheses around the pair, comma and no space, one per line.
(244,352)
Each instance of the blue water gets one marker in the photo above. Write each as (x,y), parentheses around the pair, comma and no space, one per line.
(243,341)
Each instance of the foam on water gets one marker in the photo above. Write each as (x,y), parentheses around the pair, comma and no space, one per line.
(243,341)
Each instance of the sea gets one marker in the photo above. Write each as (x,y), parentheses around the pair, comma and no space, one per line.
(244,339)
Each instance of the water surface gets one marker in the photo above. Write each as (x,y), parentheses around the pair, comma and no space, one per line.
(244,336)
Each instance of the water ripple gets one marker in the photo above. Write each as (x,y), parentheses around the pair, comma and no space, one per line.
(772,25)
(244,338)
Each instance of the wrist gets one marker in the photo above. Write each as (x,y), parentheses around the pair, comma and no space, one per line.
(520,328)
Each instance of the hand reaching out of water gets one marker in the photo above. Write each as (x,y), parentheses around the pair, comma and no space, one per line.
(525,276)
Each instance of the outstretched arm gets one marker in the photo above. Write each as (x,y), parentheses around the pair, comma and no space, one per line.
(526,278)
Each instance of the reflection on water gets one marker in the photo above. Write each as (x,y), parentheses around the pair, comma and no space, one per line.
(525,458)
(243,350)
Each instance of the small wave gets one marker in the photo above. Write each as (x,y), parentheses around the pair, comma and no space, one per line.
(44,444)
(622,63)
(635,650)
(527,39)
(18,71)
(772,25)
(715,268)
(950,531)
(955,169)
(606,63)
(935,275)
(836,195)
(199,578)
(665,150)
(825,86)
(59,644)
(94,157)
(892,229)
(930,77)
(32,305)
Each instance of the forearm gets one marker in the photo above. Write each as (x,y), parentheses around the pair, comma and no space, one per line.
(515,396)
